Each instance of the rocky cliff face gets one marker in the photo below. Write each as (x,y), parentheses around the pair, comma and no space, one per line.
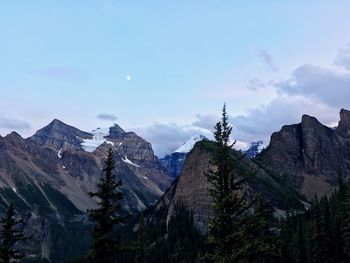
(310,155)
(48,177)
(190,190)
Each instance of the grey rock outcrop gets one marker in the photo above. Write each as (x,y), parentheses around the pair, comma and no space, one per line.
(310,155)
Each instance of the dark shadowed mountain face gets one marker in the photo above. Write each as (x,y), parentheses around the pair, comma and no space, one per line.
(310,155)
(48,177)
(174,162)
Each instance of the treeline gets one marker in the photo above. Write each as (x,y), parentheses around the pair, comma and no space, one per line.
(322,233)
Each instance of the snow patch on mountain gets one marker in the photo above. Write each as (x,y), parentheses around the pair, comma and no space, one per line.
(98,138)
(59,154)
(126,160)
(189,144)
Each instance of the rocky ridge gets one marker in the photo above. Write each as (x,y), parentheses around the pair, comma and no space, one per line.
(310,155)
(49,175)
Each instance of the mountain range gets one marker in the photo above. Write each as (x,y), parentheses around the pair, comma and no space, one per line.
(49,175)
(301,161)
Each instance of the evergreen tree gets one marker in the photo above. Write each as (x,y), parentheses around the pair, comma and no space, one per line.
(10,235)
(301,252)
(346,230)
(285,240)
(322,233)
(343,202)
(259,243)
(179,253)
(141,242)
(105,245)
(234,228)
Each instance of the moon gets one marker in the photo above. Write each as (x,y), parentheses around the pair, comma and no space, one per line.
(128,77)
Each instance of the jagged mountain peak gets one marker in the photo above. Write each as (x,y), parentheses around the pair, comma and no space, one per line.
(174,162)
(189,144)
(308,119)
(310,153)
(344,113)
(56,125)
(344,122)
(13,139)
(13,135)
(57,122)
(254,149)
(116,128)
(58,134)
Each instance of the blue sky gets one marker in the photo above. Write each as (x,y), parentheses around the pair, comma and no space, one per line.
(164,68)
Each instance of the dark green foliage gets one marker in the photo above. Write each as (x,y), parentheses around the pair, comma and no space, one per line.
(319,235)
(236,233)
(141,246)
(35,260)
(10,235)
(178,242)
(277,189)
(286,246)
(60,201)
(10,195)
(35,198)
(105,243)
(69,240)
(300,245)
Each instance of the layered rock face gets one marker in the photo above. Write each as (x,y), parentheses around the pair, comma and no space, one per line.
(59,135)
(48,177)
(190,190)
(310,155)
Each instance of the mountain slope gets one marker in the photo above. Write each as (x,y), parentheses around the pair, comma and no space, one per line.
(49,176)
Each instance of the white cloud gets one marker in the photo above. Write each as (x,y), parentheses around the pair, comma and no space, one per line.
(165,138)
(8,125)
(260,123)
(206,121)
(325,85)
(107,117)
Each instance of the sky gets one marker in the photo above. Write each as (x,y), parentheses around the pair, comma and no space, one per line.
(164,69)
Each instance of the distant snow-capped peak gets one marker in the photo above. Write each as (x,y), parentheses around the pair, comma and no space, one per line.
(254,149)
(189,144)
